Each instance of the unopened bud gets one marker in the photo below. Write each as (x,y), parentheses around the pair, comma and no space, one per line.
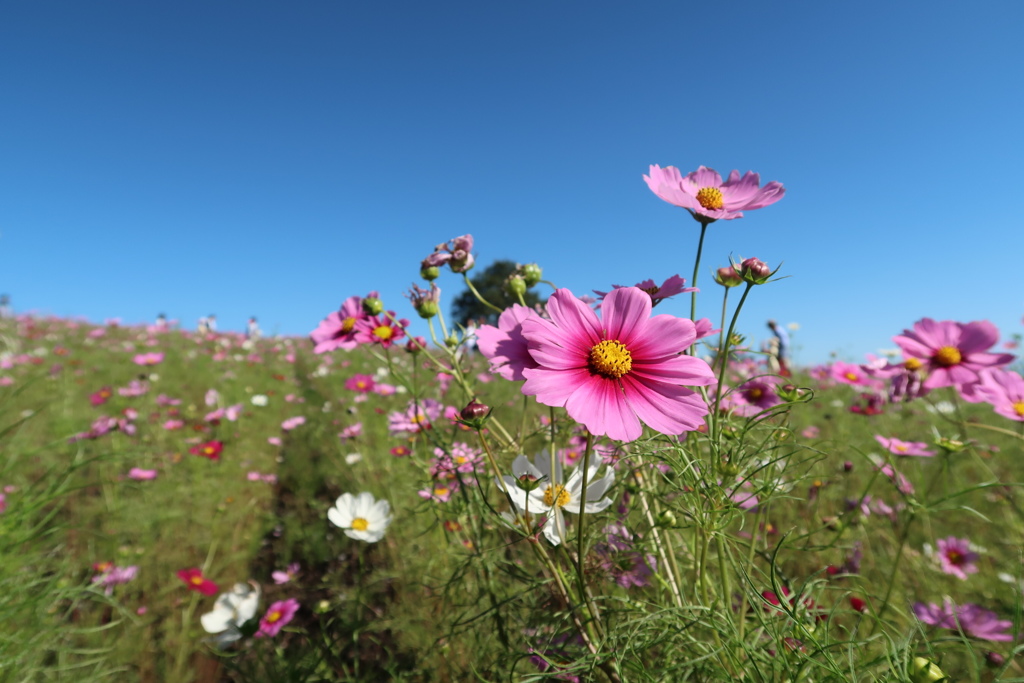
(429,273)
(666,518)
(728,277)
(474,411)
(373,306)
(925,671)
(755,271)
(531,273)
(427,309)
(516,285)
(452,341)
(415,344)
(994,659)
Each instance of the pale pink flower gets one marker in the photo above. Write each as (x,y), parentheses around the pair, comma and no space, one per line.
(1004,390)
(293,422)
(274,441)
(351,432)
(668,289)
(613,372)
(211,398)
(287,575)
(707,198)
(152,358)
(899,447)
(139,474)
(171,425)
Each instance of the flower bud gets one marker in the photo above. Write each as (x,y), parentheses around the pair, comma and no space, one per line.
(994,659)
(452,341)
(427,309)
(516,285)
(950,445)
(755,271)
(474,415)
(415,344)
(531,273)
(728,277)
(429,273)
(373,306)
(924,671)
(666,518)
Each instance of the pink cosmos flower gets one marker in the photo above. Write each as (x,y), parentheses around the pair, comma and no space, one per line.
(293,422)
(504,346)
(195,581)
(898,447)
(337,330)
(707,198)
(755,395)
(171,425)
(277,616)
(152,358)
(953,353)
(353,431)
(280,577)
(211,397)
(1003,389)
(361,383)
(956,557)
(419,416)
(669,288)
(440,491)
(903,484)
(274,441)
(139,474)
(110,576)
(850,373)
(974,620)
(612,372)
(381,330)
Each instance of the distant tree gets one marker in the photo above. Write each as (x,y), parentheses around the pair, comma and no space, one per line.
(490,282)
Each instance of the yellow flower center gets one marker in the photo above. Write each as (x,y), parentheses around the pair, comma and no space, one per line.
(273,616)
(196,580)
(1018,407)
(710,198)
(755,394)
(912,363)
(556,495)
(651,290)
(902,448)
(610,359)
(347,324)
(851,376)
(954,557)
(383,332)
(947,356)
(360,524)
(439,492)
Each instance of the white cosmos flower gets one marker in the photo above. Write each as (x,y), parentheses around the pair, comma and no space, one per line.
(231,610)
(361,517)
(259,400)
(555,495)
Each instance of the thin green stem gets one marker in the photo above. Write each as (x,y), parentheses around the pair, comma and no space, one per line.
(696,269)
(479,298)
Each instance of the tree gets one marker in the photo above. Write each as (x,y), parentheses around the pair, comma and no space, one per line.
(490,282)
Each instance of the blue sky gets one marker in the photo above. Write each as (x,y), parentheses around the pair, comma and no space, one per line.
(272,159)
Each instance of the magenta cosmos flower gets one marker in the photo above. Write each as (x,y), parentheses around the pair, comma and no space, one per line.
(953,353)
(899,447)
(613,372)
(277,616)
(707,198)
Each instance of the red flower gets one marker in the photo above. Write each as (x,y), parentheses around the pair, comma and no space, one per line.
(858,604)
(209,449)
(195,581)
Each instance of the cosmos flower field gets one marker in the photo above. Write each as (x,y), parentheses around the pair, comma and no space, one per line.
(585,490)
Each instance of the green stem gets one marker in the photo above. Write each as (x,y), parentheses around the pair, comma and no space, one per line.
(724,351)
(480,298)
(721,332)
(696,269)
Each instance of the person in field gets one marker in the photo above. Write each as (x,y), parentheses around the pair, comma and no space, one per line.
(779,352)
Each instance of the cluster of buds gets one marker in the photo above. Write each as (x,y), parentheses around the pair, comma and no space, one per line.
(455,253)
(523,278)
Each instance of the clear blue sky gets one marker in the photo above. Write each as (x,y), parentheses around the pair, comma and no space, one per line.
(273,158)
